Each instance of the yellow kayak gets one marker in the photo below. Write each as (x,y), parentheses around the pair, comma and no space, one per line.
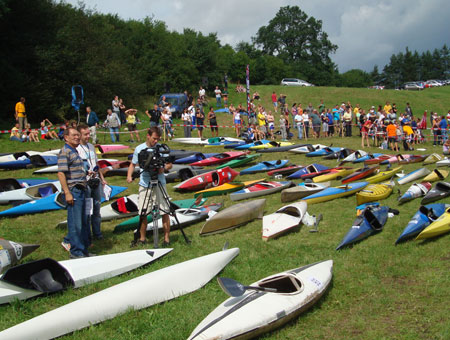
(438,227)
(374,192)
(271,144)
(436,175)
(226,188)
(339,174)
(433,158)
(383,175)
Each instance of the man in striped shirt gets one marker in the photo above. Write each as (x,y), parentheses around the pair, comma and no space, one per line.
(72,176)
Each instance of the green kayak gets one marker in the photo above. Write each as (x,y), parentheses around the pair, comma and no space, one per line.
(244,159)
(132,223)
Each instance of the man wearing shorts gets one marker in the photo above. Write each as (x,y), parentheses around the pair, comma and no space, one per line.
(152,139)
(391,131)
(275,101)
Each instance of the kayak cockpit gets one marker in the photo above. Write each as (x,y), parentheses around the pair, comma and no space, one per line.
(284,284)
(290,210)
(124,205)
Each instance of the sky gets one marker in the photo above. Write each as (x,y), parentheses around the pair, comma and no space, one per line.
(367,32)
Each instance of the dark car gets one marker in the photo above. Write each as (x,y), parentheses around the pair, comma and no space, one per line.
(178,101)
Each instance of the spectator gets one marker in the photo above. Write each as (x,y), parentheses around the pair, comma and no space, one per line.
(15,134)
(365,132)
(186,118)
(271,123)
(154,115)
(324,119)
(436,130)
(261,124)
(218,94)
(443,128)
(122,109)
(315,119)
(20,113)
(113,123)
(166,124)
(306,123)
(298,120)
(408,111)
(256,96)
(391,130)
(30,135)
(446,147)
(283,127)
(213,122)
(92,121)
(131,124)
(275,101)
(115,106)
(200,118)
(201,94)
(347,120)
(237,122)
(46,133)
(330,123)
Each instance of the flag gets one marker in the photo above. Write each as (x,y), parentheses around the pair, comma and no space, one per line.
(247,79)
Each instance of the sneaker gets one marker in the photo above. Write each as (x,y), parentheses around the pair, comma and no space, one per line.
(65,245)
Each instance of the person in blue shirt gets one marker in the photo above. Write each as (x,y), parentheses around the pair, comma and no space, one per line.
(92,121)
(443,126)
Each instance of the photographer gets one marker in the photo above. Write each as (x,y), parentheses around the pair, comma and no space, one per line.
(151,143)
(95,180)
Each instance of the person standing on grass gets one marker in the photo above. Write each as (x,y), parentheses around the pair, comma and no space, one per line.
(213,122)
(330,123)
(347,118)
(237,122)
(72,176)
(443,128)
(92,121)
(200,121)
(154,115)
(186,118)
(131,124)
(366,127)
(271,124)
(275,101)
(20,113)
(218,94)
(315,123)
(436,130)
(306,123)
(283,127)
(261,124)
(391,131)
(113,123)
(324,119)
(298,119)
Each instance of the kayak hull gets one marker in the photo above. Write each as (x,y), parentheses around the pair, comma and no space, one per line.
(12,252)
(373,192)
(302,190)
(283,220)
(436,228)
(440,191)
(329,194)
(259,189)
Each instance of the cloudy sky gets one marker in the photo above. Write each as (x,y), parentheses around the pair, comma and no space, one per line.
(367,32)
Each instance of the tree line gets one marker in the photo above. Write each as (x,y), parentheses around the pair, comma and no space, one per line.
(46,47)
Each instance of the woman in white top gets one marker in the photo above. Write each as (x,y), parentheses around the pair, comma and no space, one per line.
(306,122)
(186,118)
(298,118)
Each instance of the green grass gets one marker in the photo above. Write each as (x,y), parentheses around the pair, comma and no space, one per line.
(379,291)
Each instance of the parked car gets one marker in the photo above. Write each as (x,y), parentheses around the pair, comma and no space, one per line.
(295,82)
(413,86)
(178,101)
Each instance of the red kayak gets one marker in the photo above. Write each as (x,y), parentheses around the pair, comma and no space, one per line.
(207,180)
(285,171)
(361,173)
(103,163)
(377,160)
(220,158)
(322,172)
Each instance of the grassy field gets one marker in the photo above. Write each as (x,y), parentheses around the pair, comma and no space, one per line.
(379,290)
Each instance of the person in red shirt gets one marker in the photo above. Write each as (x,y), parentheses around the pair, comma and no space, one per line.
(275,101)
(365,132)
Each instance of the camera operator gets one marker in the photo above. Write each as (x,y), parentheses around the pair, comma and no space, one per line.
(153,136)
(95,180)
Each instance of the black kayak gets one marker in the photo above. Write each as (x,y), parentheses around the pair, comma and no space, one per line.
(440,191)
(341,154)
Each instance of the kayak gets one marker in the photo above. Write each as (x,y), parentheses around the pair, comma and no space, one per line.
(404,159)
(383,175)
(12,252)
(259,189)
(104,148)
(204,141)
(367,157)
(414,191)
(234,216)
(283,220)
(413,175)
(444,162)
(26,154)
(9,184)
(265,166)
(361,173)
(309,169)
(280,148)
(323,152)
(369,222)
(354,156)
(118,153)
(341,154)
(54,168)
(421,219)
(54,201)
(377,160)
(141,292)
(329,194)
(257,312)
(286,171)
(433,158)
(271,144)
(182,172)
(207,180)
(23,162)
(239,161)
(302,190)
(198,156)
(249,145)
(436,175)
(31,193)
(374,192)
(120,208)
(35,278)
(336,174)
(308,148)
(226,188)
(440,191)
(438,227)
(219,158)
(186,216)
(133,222)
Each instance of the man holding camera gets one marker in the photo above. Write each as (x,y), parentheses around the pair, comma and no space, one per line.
(95,181)
(152,139)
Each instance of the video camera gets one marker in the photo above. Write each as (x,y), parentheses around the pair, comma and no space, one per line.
(154,158)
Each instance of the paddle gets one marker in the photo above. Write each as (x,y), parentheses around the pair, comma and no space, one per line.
(196,202)
(234,288)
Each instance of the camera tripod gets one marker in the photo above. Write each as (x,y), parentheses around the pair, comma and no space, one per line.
(153,201)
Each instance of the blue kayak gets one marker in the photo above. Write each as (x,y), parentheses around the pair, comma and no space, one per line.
(233,145)
(422,219)
(265,166)
(323,152)
(249,145)
(369,222)
(194,158)
(8,184)
(335,192)
(367,157)
(308,170)
(34,160)
(55,201)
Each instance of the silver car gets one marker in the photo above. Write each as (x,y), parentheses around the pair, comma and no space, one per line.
(295,82)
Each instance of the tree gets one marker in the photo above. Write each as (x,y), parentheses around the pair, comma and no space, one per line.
(355,78)
(298,40)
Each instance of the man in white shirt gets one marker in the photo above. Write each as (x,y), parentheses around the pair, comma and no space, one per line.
(218,96)
(201,93)
(298,119)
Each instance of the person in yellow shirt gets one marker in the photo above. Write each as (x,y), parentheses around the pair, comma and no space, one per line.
(20,114)
(387,108)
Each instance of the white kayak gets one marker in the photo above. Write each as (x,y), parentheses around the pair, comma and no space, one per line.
(30,193)
(203,141)
(412,176)
(308,148)
(14,156)
(53,169)
(120,208)
(22,282)
(302,190)
(444,162)
(257,312)
(141,292)
(354,156)
(283,220)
